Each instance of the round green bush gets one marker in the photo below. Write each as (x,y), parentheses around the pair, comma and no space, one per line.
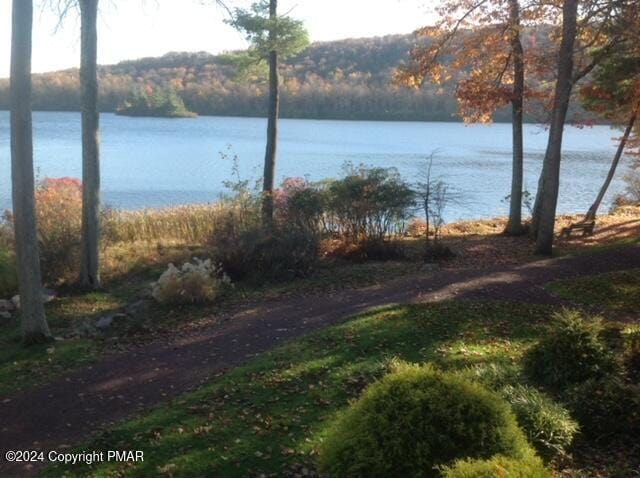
(606,408)
(570,353)
(415,420)
(498,466)
(547,424)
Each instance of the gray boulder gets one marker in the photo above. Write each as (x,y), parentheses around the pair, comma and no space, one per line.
(47,296)
(105,322)
(6,305)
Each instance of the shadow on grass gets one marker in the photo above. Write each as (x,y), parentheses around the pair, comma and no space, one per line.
(617,292)
(268,416)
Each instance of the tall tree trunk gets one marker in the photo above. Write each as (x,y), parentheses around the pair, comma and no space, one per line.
(90,263)
(272,126)
(593,210)
(514,226)
(34,323)
(549,185)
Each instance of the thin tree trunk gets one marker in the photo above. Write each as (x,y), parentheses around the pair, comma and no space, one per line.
(272,126)
(549,184)
(514,226)
(90,263)
(593,210)
(34,323)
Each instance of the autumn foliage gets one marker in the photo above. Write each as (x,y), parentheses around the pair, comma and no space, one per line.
(59,213)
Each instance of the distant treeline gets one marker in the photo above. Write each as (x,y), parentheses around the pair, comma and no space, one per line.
(348,79)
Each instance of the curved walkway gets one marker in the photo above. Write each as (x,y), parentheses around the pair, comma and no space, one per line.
(68,410)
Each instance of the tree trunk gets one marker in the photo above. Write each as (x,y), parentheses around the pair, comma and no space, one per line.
(593,210)
(34,323)
(272,126)
(90,263)
(549,185)
(514,226)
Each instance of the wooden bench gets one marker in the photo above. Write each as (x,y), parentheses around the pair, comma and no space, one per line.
(586,227)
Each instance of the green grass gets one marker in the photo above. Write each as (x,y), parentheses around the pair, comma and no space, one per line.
(332,277)
(268,417)
(616,291)
(22,368)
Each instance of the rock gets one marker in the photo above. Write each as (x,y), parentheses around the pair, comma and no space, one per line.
(107,321)
(47,296)
(5,315)
(104,322)
(134,308)
(430,267)
(84,327)
(6,305)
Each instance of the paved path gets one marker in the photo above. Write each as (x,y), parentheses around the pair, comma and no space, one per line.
(68,410)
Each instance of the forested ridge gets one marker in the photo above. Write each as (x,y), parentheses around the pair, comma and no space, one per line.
(347,79)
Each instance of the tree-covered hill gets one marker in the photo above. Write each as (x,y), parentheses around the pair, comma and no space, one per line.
(348,79)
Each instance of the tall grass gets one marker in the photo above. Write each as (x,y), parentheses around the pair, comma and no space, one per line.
(187,224)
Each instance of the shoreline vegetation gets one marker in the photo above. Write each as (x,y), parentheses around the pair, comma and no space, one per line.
(452,119)
(329,230)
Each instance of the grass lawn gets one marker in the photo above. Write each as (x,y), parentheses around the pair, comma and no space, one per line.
(21,367)
(267,417)
(616,292)
(71,318)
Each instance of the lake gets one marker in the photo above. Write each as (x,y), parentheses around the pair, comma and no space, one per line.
(151,162)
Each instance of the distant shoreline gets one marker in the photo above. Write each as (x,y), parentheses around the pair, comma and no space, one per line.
(306,118)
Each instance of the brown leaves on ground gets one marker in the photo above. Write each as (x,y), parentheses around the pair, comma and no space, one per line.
(482,244)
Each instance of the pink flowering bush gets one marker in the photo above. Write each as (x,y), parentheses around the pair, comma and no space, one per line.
(299,204)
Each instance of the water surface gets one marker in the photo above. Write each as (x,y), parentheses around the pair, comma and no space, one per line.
(154,162)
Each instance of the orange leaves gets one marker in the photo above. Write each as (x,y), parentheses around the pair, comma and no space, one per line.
(470,46)
(478,99)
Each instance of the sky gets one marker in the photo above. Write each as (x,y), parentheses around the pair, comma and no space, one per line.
(130,29)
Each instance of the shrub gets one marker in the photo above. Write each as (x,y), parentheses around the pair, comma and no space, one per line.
(59,212)
(194,283)
(232,245)
(8,276)
(285,254)
(493,376)
(606,408)
(416,419)
(631,195)
(547,424)
(287,250)
(570,353)
(300,205)
(631,341)
(366,250)
(497,466)
(368,205)
(280,254)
